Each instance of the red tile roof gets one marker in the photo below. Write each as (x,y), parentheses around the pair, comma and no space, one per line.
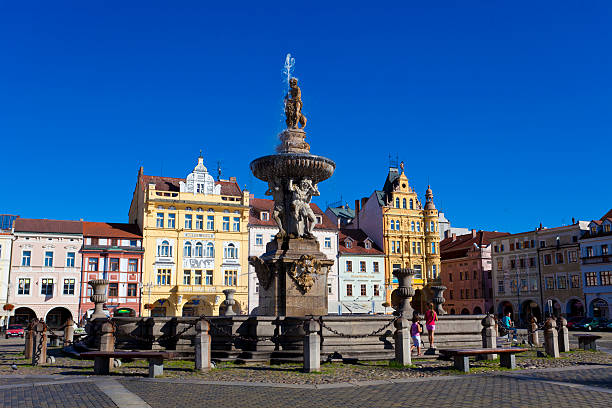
(111,230)
(262,204)
(358,245)
(607,215)
(48,226)
(229,188)
(458,247)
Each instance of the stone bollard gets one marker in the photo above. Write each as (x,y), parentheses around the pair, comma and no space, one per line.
(107,343)
(312,346)
(534,339)
(551,342)
(489,336)
(29,341)
(69,332)
(202,346)
(563,334)
(402,341)
(39,339)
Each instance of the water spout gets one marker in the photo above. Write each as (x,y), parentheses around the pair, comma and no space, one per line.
(288,68)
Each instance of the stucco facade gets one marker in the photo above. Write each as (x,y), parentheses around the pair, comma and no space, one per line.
(596,266)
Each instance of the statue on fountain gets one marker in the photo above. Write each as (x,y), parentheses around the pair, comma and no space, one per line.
(293,106)
(302,215)
(275,189)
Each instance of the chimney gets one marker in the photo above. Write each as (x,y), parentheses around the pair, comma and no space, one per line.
(357,212)
(473,233)
(232,179)
(363,201)
(338,222)
(454,237)
(573,220)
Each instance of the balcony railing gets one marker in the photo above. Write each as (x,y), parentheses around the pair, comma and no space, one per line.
(596,259)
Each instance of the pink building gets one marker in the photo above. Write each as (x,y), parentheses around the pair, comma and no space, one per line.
(46,270)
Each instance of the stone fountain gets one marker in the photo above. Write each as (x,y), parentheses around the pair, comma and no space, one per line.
(293,271)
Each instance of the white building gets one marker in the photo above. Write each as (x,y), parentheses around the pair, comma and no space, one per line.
(262,229)
(6,241)
(596,253)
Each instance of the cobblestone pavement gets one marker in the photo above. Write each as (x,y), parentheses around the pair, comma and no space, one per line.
(63,395)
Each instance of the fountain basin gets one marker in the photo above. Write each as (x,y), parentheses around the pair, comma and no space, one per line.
(296,166)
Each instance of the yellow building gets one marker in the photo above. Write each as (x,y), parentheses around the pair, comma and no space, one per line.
(196,242)
(405,229)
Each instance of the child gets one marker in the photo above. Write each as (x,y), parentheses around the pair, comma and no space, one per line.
(415,332)
(431,317)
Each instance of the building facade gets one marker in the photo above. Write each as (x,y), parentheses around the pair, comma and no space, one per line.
(596,263)
(46,270)
(112,251)
(6,246)
(446,230)
(406,231)
(195,240)
(560,277)
(361,274)
(262,229)
(466,272)
(516,277)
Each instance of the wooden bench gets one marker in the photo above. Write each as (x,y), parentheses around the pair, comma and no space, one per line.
(155,358)
(462,356)
(587,341)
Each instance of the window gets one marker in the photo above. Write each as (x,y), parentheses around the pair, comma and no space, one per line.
(392,227)
(500,264)
(418,272)
(319,219)
(200,222)
(163,276)
(591,278)
(236,224)
(434,271)
(561,282)
(132,265)
(231,278)
(114,264)
(397,202)
(575,281)
(502,248)
(532,243)
(26,256)
(210,250)
(418,225)
(550,282)
(398,247)
(605,277)
(259,239)
(488,274)
(329,288)
(418,248)
(197,277)
(475,293)
(518,245)
(606,228)
(501,288)
(522,262)
(164,249)
(433,247)
(460,275)
(375,264)
(349,244)
(376,290)
(571,256)
(230,252)
(451,294)
(187,277)
(349,266)
(362,266)
(187,250)
(512,246)
(349,290)
(589,251)
(113,289)
(524,285)
(432,226)
(475,275)
(461,293)
(604,250)
(450,277)
(171,220)
(188,219)
(547,259)
(131,290)
(114,242)
(495,248)
(534,284)
(257,287)
(226,223)
(559,257)
(411,204)
(513,285)
(70,257)
(411,225)
(68,286)
(49,258)
(92,264)
(23,287)
(327,243)
(265,216)
(160,220)
(46,287)
(404,203)
(363,290)
(198,250)
(209,277)
(414,248)
(532,262)
(542,244)
(367,244)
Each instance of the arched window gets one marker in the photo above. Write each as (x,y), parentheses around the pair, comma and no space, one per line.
(188,209)
(199,209)
(411,204)
(187,249)
(404,203)
(418,225)
(198,249)
(230,251)
(397,202)
(164,249)
(211,210)
(210,250)
(432,226)
(392,225)
(411,224)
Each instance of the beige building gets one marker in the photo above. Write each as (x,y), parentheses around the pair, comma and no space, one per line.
(195,239)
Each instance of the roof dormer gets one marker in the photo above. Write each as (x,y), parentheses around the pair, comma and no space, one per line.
(199,181)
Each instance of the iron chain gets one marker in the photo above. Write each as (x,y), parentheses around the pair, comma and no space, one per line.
(360,336)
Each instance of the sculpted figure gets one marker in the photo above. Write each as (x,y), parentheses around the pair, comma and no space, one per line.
(275,189)
(301,195)
(293,106)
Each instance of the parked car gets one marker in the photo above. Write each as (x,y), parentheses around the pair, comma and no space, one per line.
(608,326)
(14,330)
(571,322)
(588,323)
(602,324)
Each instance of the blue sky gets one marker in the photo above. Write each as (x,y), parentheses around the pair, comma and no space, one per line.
(503,106)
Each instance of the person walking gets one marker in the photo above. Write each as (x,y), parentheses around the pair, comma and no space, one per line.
(509,326)
(431,317)
(415,333)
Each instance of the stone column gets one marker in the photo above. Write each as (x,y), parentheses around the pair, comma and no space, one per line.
(39,352)
(229,302)
(438,300)
(107,343)
(534,339)
(29,341)
(402,341)
(312,346)
(551,342)
(563,334)
(489,336)
(69,332)
(202,346)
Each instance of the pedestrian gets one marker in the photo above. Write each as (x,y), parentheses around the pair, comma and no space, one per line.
(415,332)
(431,317)
(509,326)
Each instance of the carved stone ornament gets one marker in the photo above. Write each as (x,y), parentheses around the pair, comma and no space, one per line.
(265,275)
(304,271)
